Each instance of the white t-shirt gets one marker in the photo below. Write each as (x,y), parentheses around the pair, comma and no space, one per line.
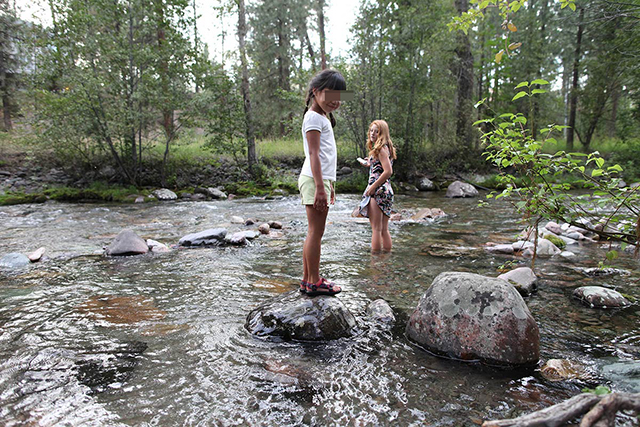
(328,151)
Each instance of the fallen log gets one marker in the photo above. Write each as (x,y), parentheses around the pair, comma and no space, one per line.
(600,411)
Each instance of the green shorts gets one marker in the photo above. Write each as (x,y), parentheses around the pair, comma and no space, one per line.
(307,187)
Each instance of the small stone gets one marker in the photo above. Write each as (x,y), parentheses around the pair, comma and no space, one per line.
(157,247)
(500,249)
(237,220)
(380,311)
(36,255)
(521,245)
(264,228)
(567,254)
(139,199)
(249,221)
(237,239)
(276,225)
(212,236)
(522,278)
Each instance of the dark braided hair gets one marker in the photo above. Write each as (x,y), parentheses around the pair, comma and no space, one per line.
(325,79)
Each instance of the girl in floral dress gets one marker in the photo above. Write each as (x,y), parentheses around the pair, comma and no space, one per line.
(377,200)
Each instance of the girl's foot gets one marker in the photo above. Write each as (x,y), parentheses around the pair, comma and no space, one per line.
(303,286)
(323,287)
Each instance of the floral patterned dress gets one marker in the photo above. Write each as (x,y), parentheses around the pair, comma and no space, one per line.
(384,193)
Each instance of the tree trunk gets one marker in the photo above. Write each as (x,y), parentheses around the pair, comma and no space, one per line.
(7,125)
(615,98)
(244,87)
(323,55)
(464,75)
(573,103)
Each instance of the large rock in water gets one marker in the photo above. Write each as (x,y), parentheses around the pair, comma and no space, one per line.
(468,316)
(212,236)
(295,316)
(127,243)
(461,189)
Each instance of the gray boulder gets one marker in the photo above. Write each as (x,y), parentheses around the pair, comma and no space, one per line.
(522,245)
(127,243)
(14,260)
(547,248)
(380,312)
(425,184)
(295,316)
(554,227)
(469,316)
(461,189)
(164,194)
(212,236)
(522,278)
(599,297)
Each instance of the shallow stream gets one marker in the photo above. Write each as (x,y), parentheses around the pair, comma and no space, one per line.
(159,339)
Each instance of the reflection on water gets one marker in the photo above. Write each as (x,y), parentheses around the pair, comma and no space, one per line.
(159,340)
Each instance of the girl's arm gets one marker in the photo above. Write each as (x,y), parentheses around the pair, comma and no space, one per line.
(313,141)
(383,156)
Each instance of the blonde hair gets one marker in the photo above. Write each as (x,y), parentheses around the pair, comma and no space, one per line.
(383,139)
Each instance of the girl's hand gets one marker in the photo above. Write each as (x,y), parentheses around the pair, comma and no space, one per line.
(363,162)
(320,201)
(370,191)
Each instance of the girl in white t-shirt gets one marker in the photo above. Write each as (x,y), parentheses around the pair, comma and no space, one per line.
(319,173)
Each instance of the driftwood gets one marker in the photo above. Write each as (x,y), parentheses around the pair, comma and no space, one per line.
(600,411)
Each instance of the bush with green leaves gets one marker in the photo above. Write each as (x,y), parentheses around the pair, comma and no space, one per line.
(530,178)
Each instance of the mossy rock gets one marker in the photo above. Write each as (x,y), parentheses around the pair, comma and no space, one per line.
(561,244)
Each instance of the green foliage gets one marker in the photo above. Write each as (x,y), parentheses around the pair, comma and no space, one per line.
(599,390)
(627,155)
(561,244)
(511,147)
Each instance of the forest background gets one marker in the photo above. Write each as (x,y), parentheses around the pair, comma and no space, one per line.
(125,94)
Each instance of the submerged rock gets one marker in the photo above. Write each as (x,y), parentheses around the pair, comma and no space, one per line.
(380,312)
(598,272)
(625,374)
(461,189)
(295,316)
(469,316)
(212,236)
(599,297)
(522,278)
(14,260)
(428,213)
(562,369)
(127,243)
(500,249)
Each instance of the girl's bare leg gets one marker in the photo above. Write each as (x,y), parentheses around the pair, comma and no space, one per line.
(386,236)
(375,219)
(312,244)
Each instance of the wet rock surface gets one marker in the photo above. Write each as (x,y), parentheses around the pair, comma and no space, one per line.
(600,297)
(127,243)
(212,236)
(14,260)
(461,189)
(380,312)
(469,316)
(295,316)
(164,194)
(522,278)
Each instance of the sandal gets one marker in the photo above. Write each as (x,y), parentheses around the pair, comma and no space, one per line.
(323,287)
(303,286)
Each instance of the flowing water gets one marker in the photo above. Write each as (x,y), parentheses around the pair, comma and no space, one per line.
(159,339)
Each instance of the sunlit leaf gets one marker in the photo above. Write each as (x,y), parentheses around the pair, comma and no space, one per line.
(533,92)
(600,162)
(520,95)
(539,82)
(499,56)
(522,84)
(512,27)
(514,46)
(596,172)
(572,6)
